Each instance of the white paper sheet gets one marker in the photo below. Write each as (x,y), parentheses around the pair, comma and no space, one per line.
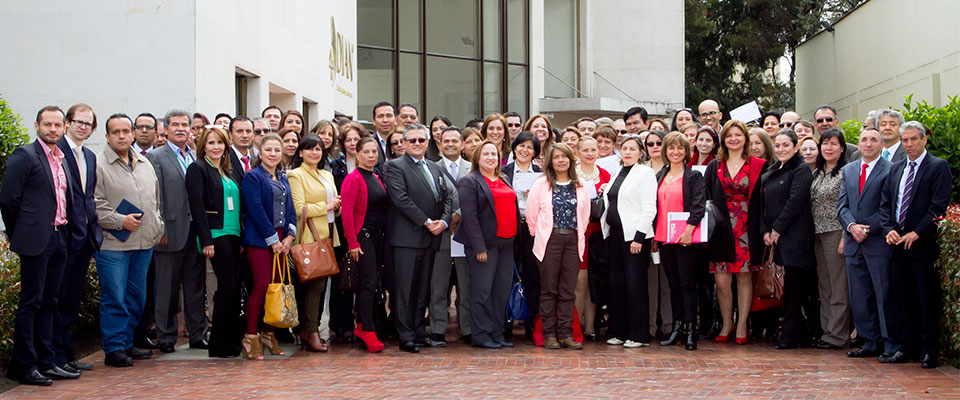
(456,249)
(699,168)
(746,113)
(523,181)
(591,187)
(610,163)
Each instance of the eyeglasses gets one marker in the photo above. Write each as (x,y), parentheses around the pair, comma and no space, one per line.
(622,131)
(417,140)
(82,124)
(396,142)
(710,113)
(509,125)
(144,127)
(259,132)
(822,120)
(651,144)
(786,124)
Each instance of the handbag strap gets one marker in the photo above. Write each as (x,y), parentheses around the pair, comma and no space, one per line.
(304,221)
(768,253)
(516,273)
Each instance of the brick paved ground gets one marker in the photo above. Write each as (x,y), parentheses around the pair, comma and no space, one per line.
(597,372)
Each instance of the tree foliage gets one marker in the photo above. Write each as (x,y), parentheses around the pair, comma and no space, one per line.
(12,133)
(733,46)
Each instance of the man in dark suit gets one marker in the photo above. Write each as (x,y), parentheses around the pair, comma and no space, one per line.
(241,136)
(888,123)
(384,119)
(454,167)
(85,232)
(864,246)
(915,196)
(177,260)
(35,201)
(421,210)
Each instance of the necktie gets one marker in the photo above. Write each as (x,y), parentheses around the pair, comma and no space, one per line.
(426,175)
(907,195)
(863,176)
(143,152)
(81,167)
(246,163)
(454,171)
(886,154)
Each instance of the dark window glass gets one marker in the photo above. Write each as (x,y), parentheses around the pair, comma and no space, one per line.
(375,23)
(452,87)
(374,80)
(452,27)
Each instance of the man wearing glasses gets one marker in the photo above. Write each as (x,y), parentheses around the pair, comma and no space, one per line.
(145,133)
(825,117)
(788,119)
(710,114)
(260,127)
(514,124)
(422,207)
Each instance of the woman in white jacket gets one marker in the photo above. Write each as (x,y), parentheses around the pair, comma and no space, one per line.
(630,204)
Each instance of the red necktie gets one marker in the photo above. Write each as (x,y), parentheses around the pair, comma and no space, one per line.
(143,152)
(246,165)
(863,176)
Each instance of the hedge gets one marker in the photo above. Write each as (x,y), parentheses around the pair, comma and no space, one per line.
(949,264)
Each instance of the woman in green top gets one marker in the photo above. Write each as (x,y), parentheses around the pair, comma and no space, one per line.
(215,206)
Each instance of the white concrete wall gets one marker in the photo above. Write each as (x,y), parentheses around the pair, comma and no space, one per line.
(880,53)
(115,55)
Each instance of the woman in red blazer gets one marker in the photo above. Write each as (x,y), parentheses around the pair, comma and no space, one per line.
(364,204)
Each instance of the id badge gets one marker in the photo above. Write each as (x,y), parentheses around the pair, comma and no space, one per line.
(230,203)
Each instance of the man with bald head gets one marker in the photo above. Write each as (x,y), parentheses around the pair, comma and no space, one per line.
(825,117)
(710,114)
(788,119)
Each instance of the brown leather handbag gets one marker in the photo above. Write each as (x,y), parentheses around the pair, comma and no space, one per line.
(768,280)
(313,260)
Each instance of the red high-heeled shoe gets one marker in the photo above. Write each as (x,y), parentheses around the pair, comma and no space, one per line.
(368,339)
(741,340)
(722,338)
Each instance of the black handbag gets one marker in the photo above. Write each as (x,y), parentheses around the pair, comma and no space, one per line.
(596,208)
(349,275)
(713,216)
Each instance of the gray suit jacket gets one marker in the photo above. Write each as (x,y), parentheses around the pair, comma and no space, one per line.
(899,155)
(464,169)
(863,208)
(174,208)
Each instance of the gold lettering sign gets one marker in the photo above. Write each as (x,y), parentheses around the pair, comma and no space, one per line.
(341,54)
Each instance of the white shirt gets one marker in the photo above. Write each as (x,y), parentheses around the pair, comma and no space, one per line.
(138,150)
(453,167)
(903,179)
(240,156)
(870,166)
(383,144)
(890,151)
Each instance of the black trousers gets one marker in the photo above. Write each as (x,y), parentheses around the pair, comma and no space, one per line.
(71,294)
(40,278)
(529,272)
(794,293)
(706,289)
(918,297)
(228,327)
(371,244)
(679,263)
(411,290)
(490,290)
(629,304)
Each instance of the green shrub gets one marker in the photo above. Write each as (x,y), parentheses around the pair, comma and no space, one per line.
(851,130)
(949,264)
(87,321)
(12,133)
(943,124)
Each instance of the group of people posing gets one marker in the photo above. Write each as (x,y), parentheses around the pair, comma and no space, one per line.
(626,224)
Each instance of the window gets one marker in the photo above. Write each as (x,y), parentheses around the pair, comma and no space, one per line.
(241,93)
(460,58)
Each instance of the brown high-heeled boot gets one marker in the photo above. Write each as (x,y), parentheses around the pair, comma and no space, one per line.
(269,342)
(311,342)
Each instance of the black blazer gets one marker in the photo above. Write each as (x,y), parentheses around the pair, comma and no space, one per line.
(694,194)
(84,227)
(205,195)
(932,183)
(786,209)
(721,247)
(478,228)
(507,171)
(27,199)
(236,166)
(413,202)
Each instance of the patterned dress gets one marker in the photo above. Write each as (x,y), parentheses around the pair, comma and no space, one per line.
(737,192)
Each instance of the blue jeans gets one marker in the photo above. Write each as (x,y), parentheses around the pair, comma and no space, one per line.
(123,290)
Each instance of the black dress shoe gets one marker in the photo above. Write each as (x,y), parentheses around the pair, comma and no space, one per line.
(145,343)
(167,348)
(70,369)
(863,353)
(79,365)
(34,378)
(591,337)
(409,347)
(487,345)
(929,361)
(784,346)
(504,343)
(428,342)
(138,354)
(202,345)
(57,374)
(467,339)
(439,337)
(118,358)
(896,358)
(826,346)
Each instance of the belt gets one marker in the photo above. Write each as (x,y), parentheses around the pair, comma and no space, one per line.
(58,228)
(563,231)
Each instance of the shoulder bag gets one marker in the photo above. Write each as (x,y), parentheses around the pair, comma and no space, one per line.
(280,304)
(313,260)
(768,280)
(517,304)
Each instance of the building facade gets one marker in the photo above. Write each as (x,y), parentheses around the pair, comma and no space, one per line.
(880,53)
